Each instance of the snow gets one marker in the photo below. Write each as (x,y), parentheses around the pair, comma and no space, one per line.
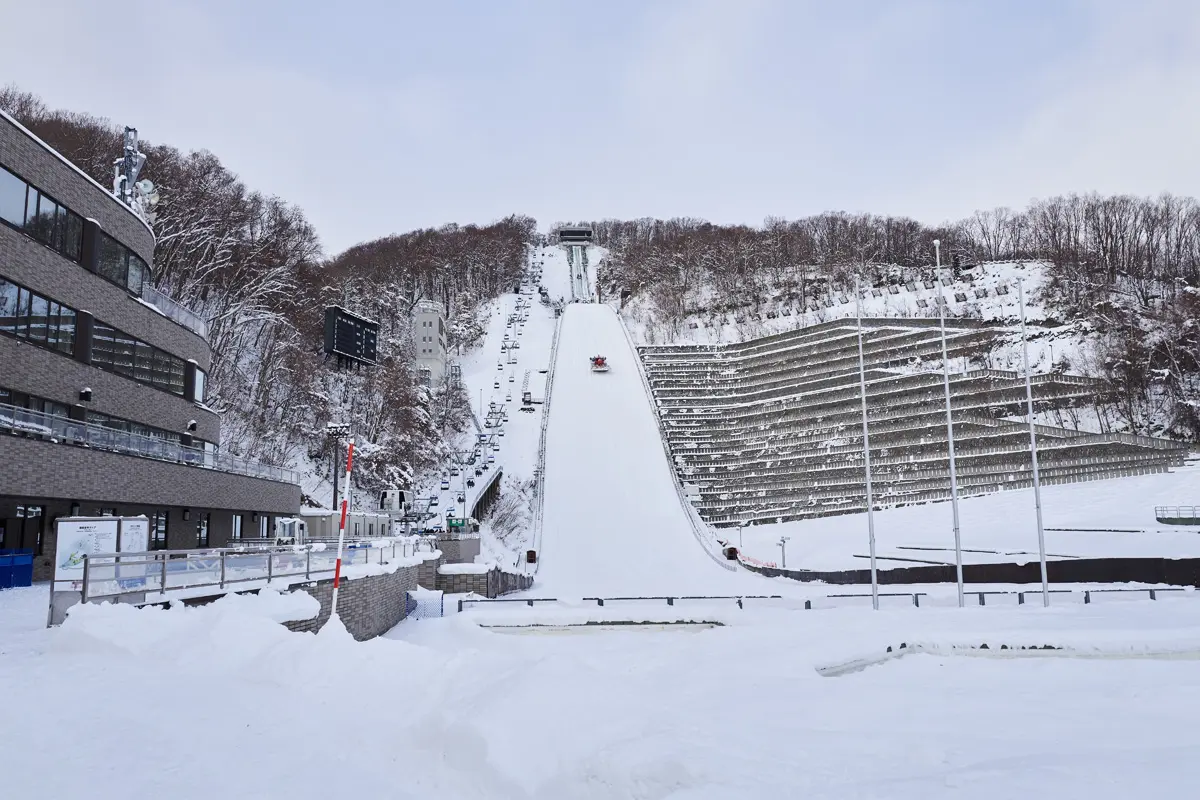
(464,569)
(738,709)
(613,523)
(1119,512)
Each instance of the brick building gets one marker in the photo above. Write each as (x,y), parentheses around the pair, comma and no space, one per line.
(102,379)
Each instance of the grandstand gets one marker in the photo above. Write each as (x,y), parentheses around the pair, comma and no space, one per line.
(771,429)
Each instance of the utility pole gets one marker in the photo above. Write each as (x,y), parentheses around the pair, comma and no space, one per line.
(958,557)
(1037,484)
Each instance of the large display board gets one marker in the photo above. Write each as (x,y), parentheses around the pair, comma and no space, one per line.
(350,336)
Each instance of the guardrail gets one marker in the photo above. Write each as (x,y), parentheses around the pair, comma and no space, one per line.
(1086,596)
(704,534)
(539,510)
(159,575)
(175,311)
(1179,515)
(62,430)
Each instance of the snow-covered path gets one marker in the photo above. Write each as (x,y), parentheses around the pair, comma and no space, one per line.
(613,523)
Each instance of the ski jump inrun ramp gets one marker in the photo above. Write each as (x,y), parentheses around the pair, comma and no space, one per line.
(613,523)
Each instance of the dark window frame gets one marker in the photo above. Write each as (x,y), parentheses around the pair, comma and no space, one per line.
(158,542)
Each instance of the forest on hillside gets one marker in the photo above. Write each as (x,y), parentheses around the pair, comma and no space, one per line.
(1125,270)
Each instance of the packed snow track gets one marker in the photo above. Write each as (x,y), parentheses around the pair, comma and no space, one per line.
(613,524)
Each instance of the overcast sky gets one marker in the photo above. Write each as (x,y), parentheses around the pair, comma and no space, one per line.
(381,116)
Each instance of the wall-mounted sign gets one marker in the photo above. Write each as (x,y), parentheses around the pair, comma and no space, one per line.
(350,336)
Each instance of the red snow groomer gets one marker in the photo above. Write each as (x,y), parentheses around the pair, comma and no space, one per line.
(599,364)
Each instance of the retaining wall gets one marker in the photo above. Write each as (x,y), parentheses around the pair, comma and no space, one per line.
(1169,571)
(492,583)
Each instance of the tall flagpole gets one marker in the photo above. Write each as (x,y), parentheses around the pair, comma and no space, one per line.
(862,388)
(958,558)
(1037,484)
(337,567)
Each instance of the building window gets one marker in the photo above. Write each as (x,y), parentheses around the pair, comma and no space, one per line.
(28,532)
(115,351)
(158,530)
(40,320)
(263,526)
(202,521)
(201,385)
(39,216)
(236,533)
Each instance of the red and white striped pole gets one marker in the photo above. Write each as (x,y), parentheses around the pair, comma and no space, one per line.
(337,569)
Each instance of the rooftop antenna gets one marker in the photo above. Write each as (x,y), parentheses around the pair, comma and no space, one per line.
(141,196)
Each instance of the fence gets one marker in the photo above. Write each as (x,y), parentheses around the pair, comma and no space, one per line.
(53,428)
(914,599)
(16,568)
(139,577)
(1178,515)
(174,311)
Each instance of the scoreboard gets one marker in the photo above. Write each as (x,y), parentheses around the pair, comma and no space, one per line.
(350,336)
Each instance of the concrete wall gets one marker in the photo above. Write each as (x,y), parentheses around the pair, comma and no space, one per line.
(368,606)
(492,583)
(459,551)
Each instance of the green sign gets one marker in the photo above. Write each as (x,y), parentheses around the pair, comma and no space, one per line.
(453,522)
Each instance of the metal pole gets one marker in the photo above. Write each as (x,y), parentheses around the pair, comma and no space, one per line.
(222,569)
(862,388)
(337,459)
(958,558)
(337,567)
(1037,483)
(783,540)
(740,548)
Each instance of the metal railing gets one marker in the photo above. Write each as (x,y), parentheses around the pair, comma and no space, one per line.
(1192,513)
(62,430)
(539,511)
(173,310)
(163,574)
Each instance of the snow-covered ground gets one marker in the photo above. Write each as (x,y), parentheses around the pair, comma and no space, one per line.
(222,701)
(613,521)
(1118,512)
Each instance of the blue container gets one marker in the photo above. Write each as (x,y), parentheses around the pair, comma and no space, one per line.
(6,569)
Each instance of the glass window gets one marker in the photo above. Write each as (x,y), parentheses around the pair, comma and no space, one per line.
(52,325)
(158,531)
(143,364)
(201,385)
(236,533)
(72,246)
(162,368)
(66,330)
(175,386)
(31,210)
(137,275)
(102,345)
(43,223)
(113,260)
(202,521)
(23,299)
(12,198)
(39,313)
(8,304)
(124,346)
(263,522)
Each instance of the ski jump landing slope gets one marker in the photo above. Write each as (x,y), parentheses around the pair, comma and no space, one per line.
(613,524)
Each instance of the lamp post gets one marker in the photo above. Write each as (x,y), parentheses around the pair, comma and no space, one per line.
(1037,484)
(783,540)
(862,388)
(958,559)
(336,431)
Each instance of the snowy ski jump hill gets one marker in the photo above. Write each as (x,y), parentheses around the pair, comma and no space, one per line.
(613,523)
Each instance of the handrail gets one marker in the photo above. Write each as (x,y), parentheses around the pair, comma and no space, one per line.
(87,434)
(704,534)
(539,511)
(174,310)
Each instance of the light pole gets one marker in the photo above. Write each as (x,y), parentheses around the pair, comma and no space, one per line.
(958,559)
(336,431)
(740,548)
(783,540)
(862,388)
(1037,484)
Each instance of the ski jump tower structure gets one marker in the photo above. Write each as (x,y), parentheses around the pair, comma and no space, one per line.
(575,240)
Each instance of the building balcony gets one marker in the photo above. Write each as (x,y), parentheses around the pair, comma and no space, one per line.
(175,311)
(52,428)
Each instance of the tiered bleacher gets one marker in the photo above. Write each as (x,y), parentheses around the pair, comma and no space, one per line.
(771,429)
